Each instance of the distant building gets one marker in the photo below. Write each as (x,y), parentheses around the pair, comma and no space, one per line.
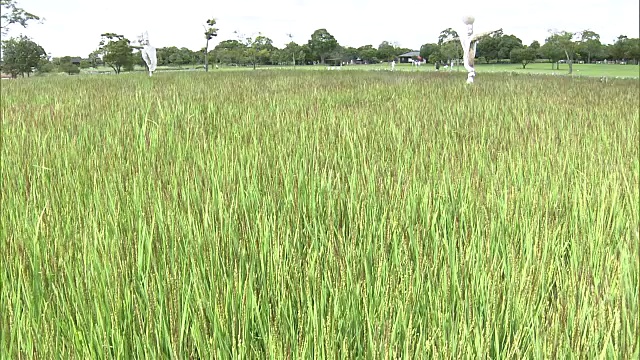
(404,58)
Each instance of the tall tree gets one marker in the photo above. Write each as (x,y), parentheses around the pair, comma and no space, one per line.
(427,50)
(117,52)
(387,51)
(450,50)
(95,58)
(229,52)
(633,51)
(450,47)
(10,14)
(254,48)
(367,53)
(66,65)
(618,49)
(209,32)
(625,48)
(293,53)
(322,43)
(535,45)
(21,55)
(508,43)
(447,35)
(523,55)
(589,43)
(563,40)
(264,47)
(489,47)
(551,52)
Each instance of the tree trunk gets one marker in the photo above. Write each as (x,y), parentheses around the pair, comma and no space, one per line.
(206,57)
(569,62)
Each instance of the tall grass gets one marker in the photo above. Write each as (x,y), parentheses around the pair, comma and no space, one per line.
(319,215)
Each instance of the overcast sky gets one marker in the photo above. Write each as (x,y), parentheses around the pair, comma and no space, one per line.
(73,27)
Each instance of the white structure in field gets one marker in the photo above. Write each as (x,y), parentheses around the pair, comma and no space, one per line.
(148,53)
(393,65)
(469,44)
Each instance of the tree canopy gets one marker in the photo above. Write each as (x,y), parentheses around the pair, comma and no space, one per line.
(11,14)
(21,56)
(322,43)
(117,52)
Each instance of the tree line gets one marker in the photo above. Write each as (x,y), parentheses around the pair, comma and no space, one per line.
(22,55)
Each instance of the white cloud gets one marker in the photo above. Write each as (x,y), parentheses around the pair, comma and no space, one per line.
(73,27)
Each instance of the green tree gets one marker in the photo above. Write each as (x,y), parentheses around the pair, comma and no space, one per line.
(508,43)
(173,56)
(625,48)
(447,35)
(188,57)
(290,51)
(589,44)
(163,55)
(11,14)
(489,47)
(322,43)
(367,53)
(551,52)
(279,57)
(633,51)
(535,45)
(95,59)
(209,32)
(436,56)
(254,49)
(563,42)
(618,49)
(451,50)
(524,55)
(427,50)
(308,56)
(450,47)
(178,57)
(264,47)
(67,66)
(229,52)
(117,52)
(387,51)
(21,56)
(294,51)
(85,64)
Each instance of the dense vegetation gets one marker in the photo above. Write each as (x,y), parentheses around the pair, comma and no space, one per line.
(363,214)
(22,56)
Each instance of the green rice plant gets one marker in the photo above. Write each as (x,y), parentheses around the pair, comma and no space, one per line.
(293,214)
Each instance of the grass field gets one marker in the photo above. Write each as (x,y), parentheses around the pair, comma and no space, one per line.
(580,70)
(319,215)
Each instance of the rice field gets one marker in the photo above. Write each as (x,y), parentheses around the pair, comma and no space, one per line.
(312,215)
